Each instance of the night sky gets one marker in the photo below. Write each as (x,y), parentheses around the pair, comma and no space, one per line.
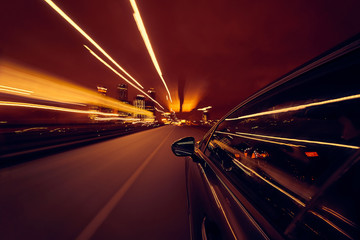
(210,52)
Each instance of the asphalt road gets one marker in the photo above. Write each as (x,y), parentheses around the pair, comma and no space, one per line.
(131,187)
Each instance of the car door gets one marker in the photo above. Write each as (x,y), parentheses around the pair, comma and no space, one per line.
(270,168)
(215,212)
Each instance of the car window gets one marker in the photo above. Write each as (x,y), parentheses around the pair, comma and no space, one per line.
(336,215)
(282,146)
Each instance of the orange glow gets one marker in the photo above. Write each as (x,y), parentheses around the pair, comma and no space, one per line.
(192,97)
(50,88)
(82,32)
(311,154)
(146,39)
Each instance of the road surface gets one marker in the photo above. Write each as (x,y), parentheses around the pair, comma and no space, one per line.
(131,187)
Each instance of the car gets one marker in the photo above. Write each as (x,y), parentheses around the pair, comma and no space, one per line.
(284,164)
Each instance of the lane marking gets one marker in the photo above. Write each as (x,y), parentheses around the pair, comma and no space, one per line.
(102,215)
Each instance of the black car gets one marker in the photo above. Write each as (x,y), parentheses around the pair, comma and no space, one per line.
(284,164)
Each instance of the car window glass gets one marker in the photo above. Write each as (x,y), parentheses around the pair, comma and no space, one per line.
(280,147)
(337,213)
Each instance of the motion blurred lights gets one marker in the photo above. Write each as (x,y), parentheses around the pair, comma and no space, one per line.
(297,108)
(69,20)
(117,73)
(146,39)
(204,109)
(49,88)
(47,107)
(14,91)
(300,140)
(116,118)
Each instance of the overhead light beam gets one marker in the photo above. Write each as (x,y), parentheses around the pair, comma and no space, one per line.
(146,39)
(82,32)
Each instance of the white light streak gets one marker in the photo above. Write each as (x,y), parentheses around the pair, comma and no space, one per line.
(238,163)
(259,139)
(159,110)
(204,108)
(82,32)
(296,108)
(117,73)
(301,140)
(331,224)
(47,107)
(15,90)
(116,118)
(146,39)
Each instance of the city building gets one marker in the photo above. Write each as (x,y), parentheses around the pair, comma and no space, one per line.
(149,104)
(139,102)
(122,90)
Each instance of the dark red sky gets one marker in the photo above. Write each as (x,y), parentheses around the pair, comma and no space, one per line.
(225,50)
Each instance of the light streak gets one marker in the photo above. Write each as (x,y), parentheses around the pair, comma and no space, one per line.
(339,216)
(238,163)
(259,139)
(49,88)
(117,73)
(116,118)
(204,108)
(31,129)
(296,108)
(47,107)
(146,39)
(82,32)
(302,141)
(159,110)
(15,90)
(331,224)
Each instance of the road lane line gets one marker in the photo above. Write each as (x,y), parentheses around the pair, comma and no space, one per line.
(102,215)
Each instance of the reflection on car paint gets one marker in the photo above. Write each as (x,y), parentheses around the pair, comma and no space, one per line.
(300,140)
(259,139)
(339,216)
(297,108)
(216,198)
(330,223)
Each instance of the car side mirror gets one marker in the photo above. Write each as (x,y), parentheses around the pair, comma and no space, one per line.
(184,147)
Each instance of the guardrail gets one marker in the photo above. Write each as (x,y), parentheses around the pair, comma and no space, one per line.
(17,141)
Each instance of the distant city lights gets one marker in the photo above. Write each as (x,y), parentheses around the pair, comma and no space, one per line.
(117,73)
